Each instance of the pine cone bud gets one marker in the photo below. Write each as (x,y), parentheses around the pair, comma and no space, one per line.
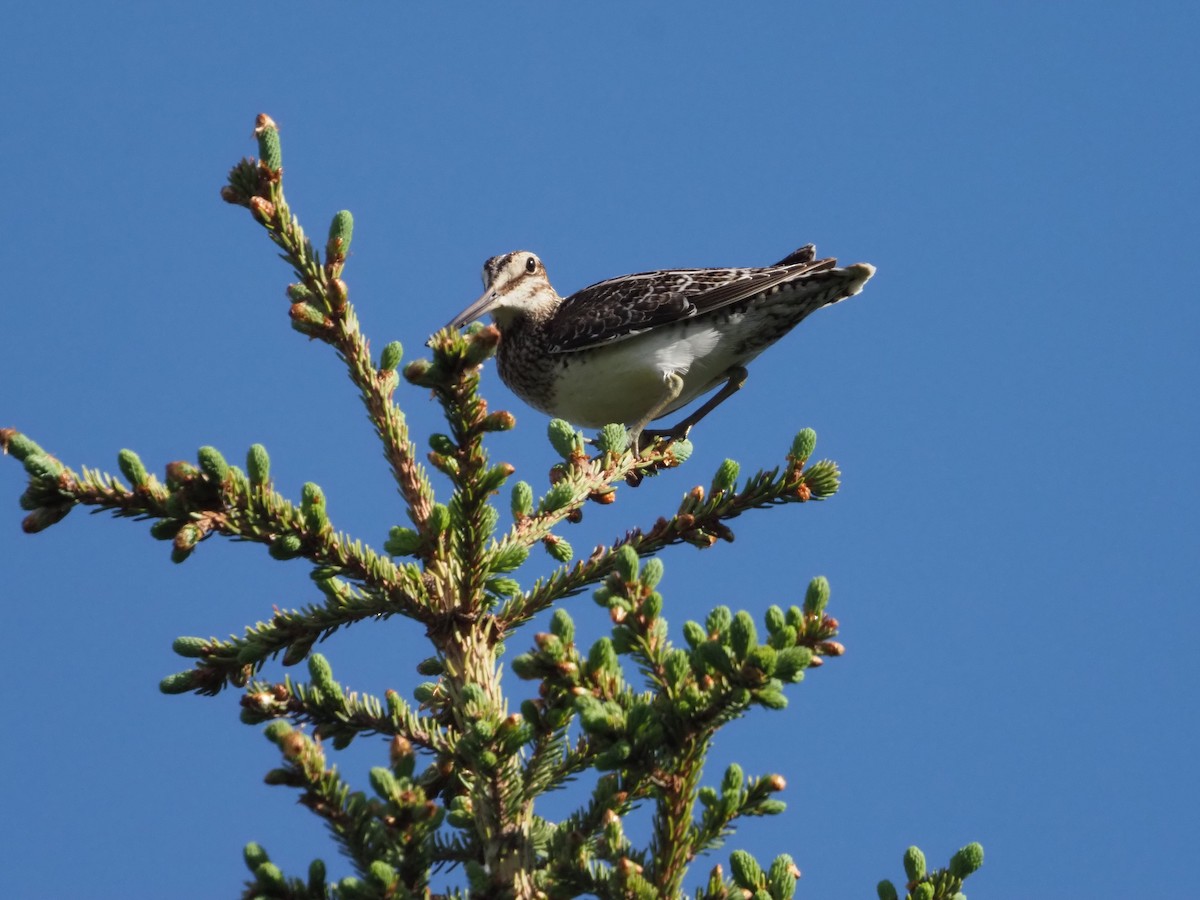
(563,438)
(286,546)
(558,548)
(803,446)
(498,421)
(390,358)
(131,467)
(179,683)
(558,497)
(914,864)
(402,542)
(308,319)
(269,150)
(817,596)
(258,465)
(19,446)
(625,561)
(190,647)
(726,477)
(782,878)
(341,229)
(680,451)
(966,860)
(312,507)
(652,572)
(747,873)
(213,464)
(613,438)
(254,855)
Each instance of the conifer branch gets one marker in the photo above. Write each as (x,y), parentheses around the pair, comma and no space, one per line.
(291,632)
(389,839)
(699,521)
(216,498)
(341,716)
(453,376)
(321,308)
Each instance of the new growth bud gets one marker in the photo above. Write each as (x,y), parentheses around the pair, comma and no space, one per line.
(321,674)
(390,358)
(286,546)
(914,864)
(803,446)
(300,293)
(782,878)
(179,683)
(652,572)
(258,465)
(341,229)
(966,860)
(131,467)
(613,438)
(312,507)
(254,855)
(402,542)
(498,421)
(308,319)
(564,438)
(816,598)
(190,646)
(558,496)
(680,451)
(558,548)
(185,541)
(747,873)
(625,561)
(269,150)
(726,477)
(522,500)
(213,464)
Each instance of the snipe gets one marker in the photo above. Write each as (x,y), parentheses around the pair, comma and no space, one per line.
(635,348)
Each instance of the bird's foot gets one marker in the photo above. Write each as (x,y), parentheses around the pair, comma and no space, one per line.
(647,439)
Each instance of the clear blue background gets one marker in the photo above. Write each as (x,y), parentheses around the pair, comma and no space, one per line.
(1012,399)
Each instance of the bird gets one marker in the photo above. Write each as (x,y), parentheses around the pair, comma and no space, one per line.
(639,347)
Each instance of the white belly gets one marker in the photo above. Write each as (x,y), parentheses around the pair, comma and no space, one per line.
(623,382)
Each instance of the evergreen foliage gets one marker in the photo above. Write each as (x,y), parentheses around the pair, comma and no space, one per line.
(463,770)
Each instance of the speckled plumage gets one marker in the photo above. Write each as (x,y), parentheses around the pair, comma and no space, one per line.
(635,348)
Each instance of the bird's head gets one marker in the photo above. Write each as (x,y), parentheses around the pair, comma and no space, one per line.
(515,285)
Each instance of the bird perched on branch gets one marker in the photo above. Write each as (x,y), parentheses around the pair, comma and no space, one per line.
(635,348)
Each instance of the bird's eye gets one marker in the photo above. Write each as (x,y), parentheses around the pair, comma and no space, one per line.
(531,265)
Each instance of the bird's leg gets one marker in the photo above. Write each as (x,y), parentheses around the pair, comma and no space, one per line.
(733,384)
(673,382)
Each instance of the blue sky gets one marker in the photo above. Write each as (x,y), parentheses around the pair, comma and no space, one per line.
(1014,555)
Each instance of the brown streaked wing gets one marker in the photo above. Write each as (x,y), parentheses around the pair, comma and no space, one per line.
(624,307)
(759,281)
